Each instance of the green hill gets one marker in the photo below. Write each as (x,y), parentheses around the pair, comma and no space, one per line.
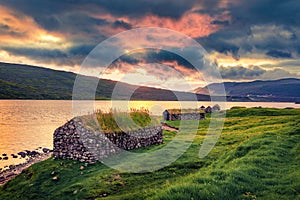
(286,90)
(30,82)
(257,156)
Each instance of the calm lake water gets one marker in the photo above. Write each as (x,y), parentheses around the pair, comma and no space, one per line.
(28,124)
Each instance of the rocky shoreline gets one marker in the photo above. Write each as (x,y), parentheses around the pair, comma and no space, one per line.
(32,158)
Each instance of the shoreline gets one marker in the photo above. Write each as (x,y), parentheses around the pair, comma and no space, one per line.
(8,174)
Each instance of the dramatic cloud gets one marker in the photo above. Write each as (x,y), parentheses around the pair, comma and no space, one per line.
(160,63)
(154,56)
(278,54)
(253,73)
(255,28)
(258,39)
(267,11)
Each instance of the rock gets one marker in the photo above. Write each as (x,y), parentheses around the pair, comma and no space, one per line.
(70,142)
(55,178)
(22,154)
(46,150)
(27,152)
(11,167)
(81,167)
(75,191)
(103,195)
(10,175)
(14,156)
(117,176)
(34,153)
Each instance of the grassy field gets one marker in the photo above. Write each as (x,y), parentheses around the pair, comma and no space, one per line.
(256,157)
(134,119)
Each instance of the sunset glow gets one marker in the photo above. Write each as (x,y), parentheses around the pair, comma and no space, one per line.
(61,39)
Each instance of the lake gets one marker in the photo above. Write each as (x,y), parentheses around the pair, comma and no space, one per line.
(29,124)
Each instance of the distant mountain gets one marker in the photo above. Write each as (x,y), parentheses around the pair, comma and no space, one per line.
(30,82)
(285,90)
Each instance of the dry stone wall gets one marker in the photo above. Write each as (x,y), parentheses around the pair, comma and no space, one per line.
(74,141)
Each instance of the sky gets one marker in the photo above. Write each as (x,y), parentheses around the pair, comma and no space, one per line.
(246,40)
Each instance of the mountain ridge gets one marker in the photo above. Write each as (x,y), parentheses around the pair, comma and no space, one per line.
(18,81)
(287,89)
(21,81)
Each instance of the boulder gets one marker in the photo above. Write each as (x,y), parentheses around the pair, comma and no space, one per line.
(22,154)
(34,153)
(14,156)
(46,150)
(11,167)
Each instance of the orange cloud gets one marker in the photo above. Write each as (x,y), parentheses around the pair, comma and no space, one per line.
(192,24)
(21,30)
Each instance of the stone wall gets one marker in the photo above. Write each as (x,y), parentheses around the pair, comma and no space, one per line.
(74,141)
(187,116)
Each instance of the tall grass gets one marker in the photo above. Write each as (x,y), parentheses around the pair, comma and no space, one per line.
(182,111)
(116,121)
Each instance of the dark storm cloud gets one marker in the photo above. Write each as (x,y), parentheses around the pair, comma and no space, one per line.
(239,72)
(72,23)
(219,22)
(72,56)
(36,53)
(48,12)
(73,17)
(279,54)
(267,11)
(266,27)
(214,42)
(136,8)
(130,59)
(47,56)
(250,21)
(253,72)
(83,50)
(122,24)
(154,56)
(211,7)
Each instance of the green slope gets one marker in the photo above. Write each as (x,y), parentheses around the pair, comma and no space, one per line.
(257,156)
(30,82)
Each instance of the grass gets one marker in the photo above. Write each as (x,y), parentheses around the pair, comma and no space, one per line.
(182,111)
(115,121)
(256,157)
